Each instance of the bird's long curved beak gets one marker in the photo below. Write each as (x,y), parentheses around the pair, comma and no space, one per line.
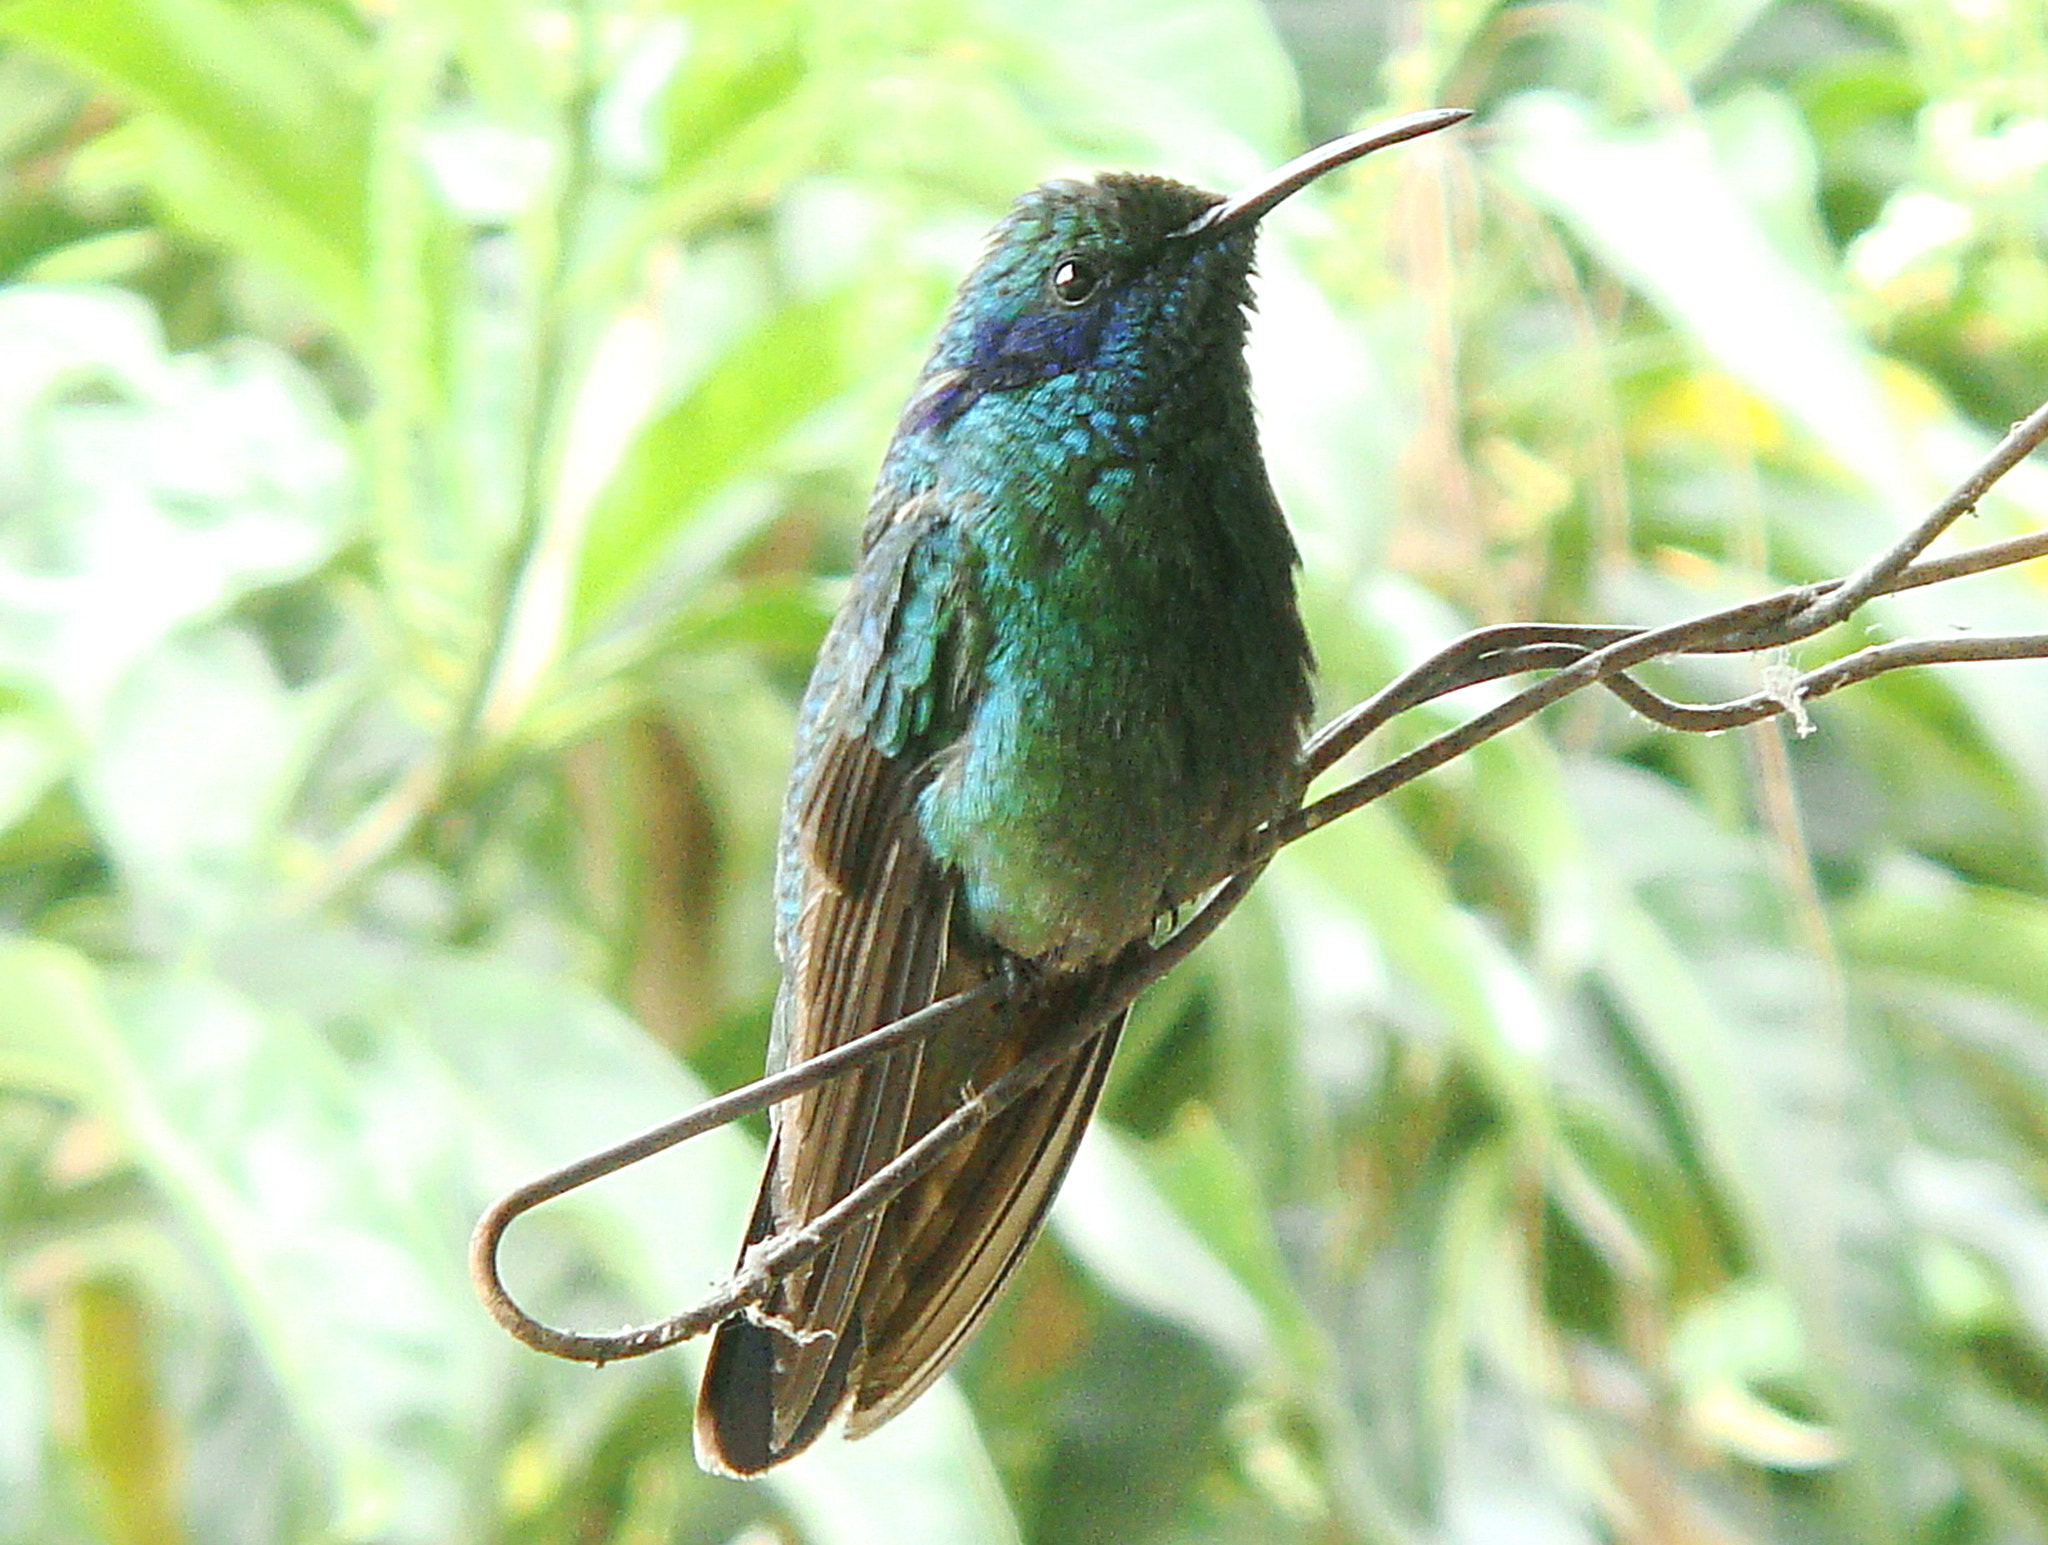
(1249,205)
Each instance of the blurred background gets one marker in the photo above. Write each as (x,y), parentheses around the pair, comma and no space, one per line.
(432,437)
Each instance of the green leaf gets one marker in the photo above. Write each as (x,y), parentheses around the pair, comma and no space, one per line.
(31,758)
(51,1015)
(281,138)
(1659,205)
(1468,979)
(1206,78)
(1973,935)
(790,364)
(1792,1125)
(147,490)
(190,779)
(1207,1183)
(775,620)
(1113,1219)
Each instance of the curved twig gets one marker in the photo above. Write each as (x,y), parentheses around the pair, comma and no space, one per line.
(1079,1007)
(707,1117)
(1074,1009)
(1878,576)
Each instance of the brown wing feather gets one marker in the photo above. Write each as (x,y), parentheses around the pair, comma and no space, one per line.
(895,1297)
(868,948)
(881,1313)
(956,1237)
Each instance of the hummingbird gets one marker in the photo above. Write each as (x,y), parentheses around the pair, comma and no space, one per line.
(1068,686)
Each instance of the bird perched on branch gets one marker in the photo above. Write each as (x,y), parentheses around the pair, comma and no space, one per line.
(1068,687)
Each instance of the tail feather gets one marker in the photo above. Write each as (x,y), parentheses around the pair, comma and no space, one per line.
(934,1262)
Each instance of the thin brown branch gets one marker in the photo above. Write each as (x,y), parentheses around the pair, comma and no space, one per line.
(1076,1009)
(1071,1010)
(1878,576)
(1976,560)
(710,1115)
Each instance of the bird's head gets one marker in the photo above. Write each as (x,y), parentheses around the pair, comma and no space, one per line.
(1127,279)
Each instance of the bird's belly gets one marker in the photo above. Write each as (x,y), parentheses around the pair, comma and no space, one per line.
(1073,825)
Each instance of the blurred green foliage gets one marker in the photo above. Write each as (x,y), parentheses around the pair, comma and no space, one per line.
(430,433)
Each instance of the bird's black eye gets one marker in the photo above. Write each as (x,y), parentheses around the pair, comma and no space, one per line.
(1074,279)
